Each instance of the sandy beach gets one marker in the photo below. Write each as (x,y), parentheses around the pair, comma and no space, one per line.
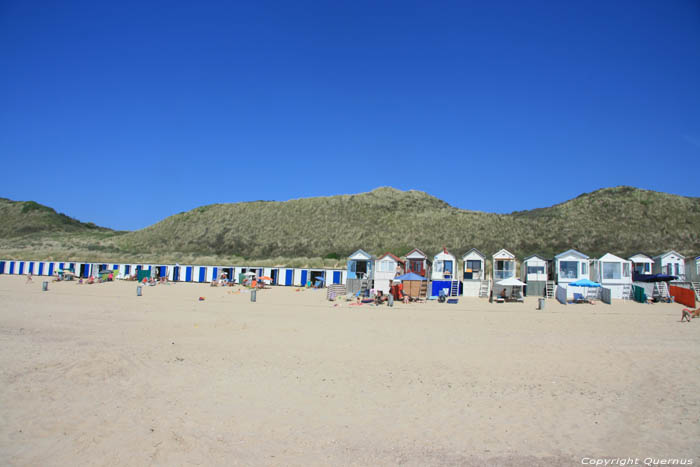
(94,375)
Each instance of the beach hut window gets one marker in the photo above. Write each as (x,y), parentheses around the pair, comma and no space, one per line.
(584,269)
(625,269)
(677,269)
(474,265)
(568,269)
(448,266)
(669,269)
(535,269)
(611,270)
(504,269)
(387,266)
(415,265)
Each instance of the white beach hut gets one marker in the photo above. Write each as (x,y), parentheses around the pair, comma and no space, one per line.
(474,274)
(444,274)
(571,266)
(388,267)
(614,273)
(535,274)
(504,264)
(641,264)
(671,263)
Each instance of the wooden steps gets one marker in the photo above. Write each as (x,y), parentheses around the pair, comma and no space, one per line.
(484,289)
(549,290)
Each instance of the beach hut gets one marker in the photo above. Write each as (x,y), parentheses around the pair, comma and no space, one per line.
(535,270)
(444,274)
(388,267)
(670,263)
(692,269)
(417,262)
(504,265)
(614,273)
(571,266)
(474,282)
(642,265)
(360,271)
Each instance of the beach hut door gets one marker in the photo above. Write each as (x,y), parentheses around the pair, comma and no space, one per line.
(288,277)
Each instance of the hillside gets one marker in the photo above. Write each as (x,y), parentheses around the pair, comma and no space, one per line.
(20,218)
(622,220)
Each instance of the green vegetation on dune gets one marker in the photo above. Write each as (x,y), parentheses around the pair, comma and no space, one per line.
(21,218)
(324,230)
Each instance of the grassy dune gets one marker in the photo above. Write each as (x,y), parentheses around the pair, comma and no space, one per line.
(323,231)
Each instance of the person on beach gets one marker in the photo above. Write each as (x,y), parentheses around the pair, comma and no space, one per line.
(29,278)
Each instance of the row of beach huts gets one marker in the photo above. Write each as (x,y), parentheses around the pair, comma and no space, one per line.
(476,275)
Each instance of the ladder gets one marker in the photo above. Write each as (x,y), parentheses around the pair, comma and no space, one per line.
(484,289)
(549,290)
(364,286)
(696,288)
(423,289)
(627,292)
(454,289)
(661,290)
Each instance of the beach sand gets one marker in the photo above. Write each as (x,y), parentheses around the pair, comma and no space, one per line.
(94,375)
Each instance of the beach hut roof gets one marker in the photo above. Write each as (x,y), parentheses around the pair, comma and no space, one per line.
(474,250)
(671,252)
(503,254)
(444,252)
(416,253)
(535,256)
(640,256)
(361,254)
(394,257)
(571,251)
(612,258)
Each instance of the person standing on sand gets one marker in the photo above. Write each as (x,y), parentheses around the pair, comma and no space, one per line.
(29,278)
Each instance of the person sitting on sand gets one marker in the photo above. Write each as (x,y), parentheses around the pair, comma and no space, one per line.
(503,294)
(380,297)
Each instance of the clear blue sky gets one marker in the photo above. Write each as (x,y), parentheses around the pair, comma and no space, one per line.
(123,113)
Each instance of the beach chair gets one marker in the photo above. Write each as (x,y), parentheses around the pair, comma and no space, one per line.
(579,298)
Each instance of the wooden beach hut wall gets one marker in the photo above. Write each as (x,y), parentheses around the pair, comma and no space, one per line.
(360,271)
(571,266)
(417,262)
(474,273)
(671,263)
(444,274)
(615,274)
(535,270)
(388,266)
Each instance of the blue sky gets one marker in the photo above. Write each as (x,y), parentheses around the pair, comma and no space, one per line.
(123,113)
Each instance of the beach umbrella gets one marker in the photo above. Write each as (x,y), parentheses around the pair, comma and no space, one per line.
(584,283)
(511,281)
(411,276)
